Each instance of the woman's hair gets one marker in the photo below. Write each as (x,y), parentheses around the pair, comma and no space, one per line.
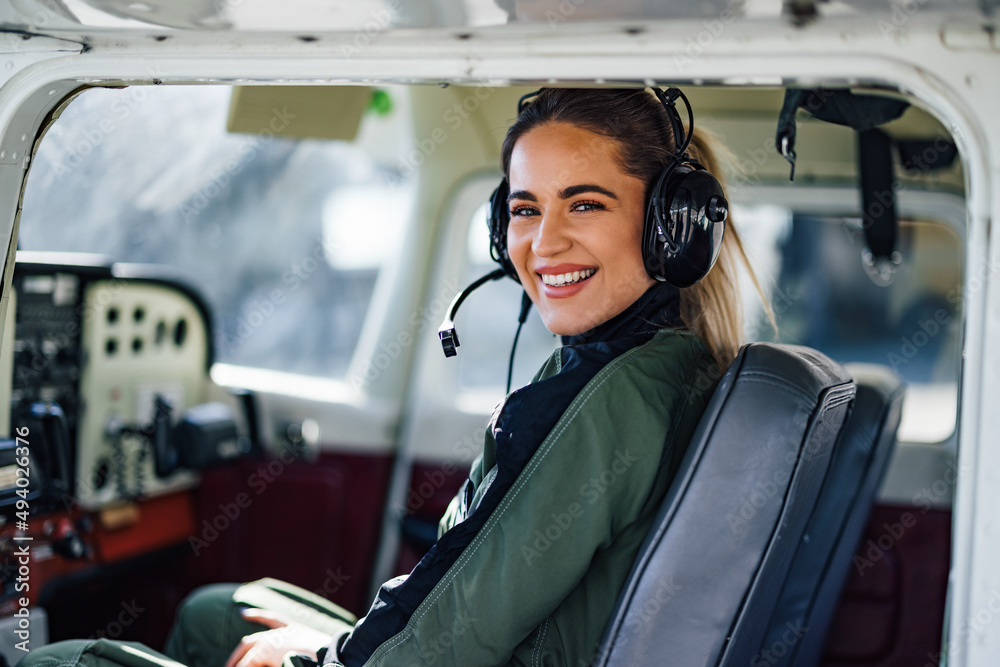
(640,127)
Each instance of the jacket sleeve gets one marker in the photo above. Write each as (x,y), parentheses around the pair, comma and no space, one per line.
(479,471)
(588,480)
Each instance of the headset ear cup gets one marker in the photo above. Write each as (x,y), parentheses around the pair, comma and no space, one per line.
(499,219)
(655,227)
(685,224)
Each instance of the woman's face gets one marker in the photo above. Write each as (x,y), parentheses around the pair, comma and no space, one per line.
(575,227)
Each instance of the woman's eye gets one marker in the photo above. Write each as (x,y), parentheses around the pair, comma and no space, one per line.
(522,211)
(587,206)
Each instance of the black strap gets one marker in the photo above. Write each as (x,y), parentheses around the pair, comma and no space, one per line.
(923,155)
(878,199)
(842,107)
(784,138)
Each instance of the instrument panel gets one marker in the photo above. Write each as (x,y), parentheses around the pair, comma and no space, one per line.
(108,421)
(102,354)
(141,340)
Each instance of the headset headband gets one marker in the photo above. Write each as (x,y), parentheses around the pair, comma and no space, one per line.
(667,98)
(686,209)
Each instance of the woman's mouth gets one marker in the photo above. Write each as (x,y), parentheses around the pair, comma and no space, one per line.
(568,278)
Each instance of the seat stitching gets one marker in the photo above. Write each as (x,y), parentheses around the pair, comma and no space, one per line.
(536,657)
(791,389)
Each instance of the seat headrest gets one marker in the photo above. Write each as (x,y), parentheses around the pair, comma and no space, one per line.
(822,562)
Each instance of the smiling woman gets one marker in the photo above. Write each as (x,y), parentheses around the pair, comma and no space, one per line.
(542,535)
(575,235)
(581,165)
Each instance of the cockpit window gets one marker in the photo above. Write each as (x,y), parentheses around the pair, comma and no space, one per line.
(823,298)
(274,231)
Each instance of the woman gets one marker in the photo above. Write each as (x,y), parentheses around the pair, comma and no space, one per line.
(536,547)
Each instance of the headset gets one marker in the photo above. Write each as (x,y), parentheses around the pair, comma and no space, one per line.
(682,235)
(685,214)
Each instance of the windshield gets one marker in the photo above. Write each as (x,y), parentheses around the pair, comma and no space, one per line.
(273,231)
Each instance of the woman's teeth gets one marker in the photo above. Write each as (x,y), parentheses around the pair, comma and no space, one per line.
(560,279)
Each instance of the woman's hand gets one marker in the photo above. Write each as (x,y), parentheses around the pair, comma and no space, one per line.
(268,647)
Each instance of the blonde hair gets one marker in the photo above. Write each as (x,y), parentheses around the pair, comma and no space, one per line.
(638,123)
(712,307)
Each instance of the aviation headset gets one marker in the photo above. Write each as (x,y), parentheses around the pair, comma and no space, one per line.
(682,235)
(685,214)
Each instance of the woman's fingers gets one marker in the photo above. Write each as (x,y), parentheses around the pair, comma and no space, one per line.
(261,649)
(241,650)
(268,647)
(262,654)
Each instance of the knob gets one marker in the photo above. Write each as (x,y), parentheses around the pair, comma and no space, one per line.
(66,540)
(717,209)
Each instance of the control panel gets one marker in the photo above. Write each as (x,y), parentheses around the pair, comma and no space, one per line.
(103,363)
(141,341)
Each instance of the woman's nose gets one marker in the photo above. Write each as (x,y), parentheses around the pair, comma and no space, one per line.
(552,236)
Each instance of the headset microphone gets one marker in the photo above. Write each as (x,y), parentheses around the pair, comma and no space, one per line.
(446,332)
(448,335)
(682,234)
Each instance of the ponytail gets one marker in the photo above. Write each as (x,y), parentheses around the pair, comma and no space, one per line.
(712,307)
(638,123)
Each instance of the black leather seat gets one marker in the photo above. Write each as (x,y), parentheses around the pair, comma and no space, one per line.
(823,559)
(703,588)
